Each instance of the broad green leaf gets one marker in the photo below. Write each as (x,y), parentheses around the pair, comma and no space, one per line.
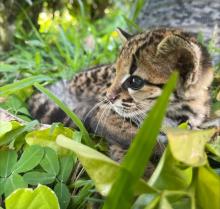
(146,201)
(207,188)
(14,182)
(30,158)
(37,177)
(63,194)
(7,161)
(47,138)
(214,148)
(50,161)
(164,204)
(2,185)
(66,167)
(170,174)
(42,197)
(70,113)
(17,132)
(182,203)
(191,143)
(12,88)
(138,155)
(5,127)
(100,168)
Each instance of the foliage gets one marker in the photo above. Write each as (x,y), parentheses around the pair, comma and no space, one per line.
(67,40)
(28,198)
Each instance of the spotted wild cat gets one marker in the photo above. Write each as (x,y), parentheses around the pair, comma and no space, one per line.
(113,99)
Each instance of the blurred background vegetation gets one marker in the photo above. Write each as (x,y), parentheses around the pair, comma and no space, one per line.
(58,37)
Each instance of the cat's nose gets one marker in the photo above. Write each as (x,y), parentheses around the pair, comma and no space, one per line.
(111,96)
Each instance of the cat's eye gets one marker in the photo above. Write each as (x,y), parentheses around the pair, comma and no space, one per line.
(134,82)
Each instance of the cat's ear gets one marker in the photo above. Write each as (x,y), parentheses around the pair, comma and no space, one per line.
(124,36)
(185,55)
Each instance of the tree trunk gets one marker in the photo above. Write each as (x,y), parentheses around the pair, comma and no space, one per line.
(191,15)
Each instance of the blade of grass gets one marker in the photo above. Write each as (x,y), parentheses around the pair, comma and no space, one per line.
(11,88)
(138,155)
(71,114)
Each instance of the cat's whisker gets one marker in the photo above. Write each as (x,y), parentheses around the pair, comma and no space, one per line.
(106,118)
(100,118)
(93,109)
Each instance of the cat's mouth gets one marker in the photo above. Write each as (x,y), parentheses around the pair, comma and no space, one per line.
(133,112)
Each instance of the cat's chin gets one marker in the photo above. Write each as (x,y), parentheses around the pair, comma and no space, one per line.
(132,115)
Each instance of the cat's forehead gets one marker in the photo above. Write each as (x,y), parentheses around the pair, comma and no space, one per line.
(146,40)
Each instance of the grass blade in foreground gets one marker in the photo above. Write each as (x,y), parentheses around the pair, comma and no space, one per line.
(11,88)
(71,114)
(138,155)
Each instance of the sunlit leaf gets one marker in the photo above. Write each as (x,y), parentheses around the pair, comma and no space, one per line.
(170,174)
(47,137)
(32,199)
(17,132)
(207,189)
(164,204)
(191,143)
(5,127)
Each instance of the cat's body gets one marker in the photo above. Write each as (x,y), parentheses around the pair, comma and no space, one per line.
(142,68)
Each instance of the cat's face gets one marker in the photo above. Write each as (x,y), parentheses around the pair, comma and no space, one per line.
(143,67)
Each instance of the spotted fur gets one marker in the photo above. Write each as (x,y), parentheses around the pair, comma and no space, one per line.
(106,99)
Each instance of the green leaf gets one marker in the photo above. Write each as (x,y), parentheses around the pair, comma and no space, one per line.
(14,182)
(63,194)
(37,177)
(7,130)
(66,167)
(101,169)
(47,138)
(207,188)
(214,148)
(164,204)
(2,185)
(191,143)
(7,161)
(147,201)
(170,174)
(17,131)
(41,197)
(70,113)
(5,127)
(50,161)
(12,88)
(137,157)
(30,158)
